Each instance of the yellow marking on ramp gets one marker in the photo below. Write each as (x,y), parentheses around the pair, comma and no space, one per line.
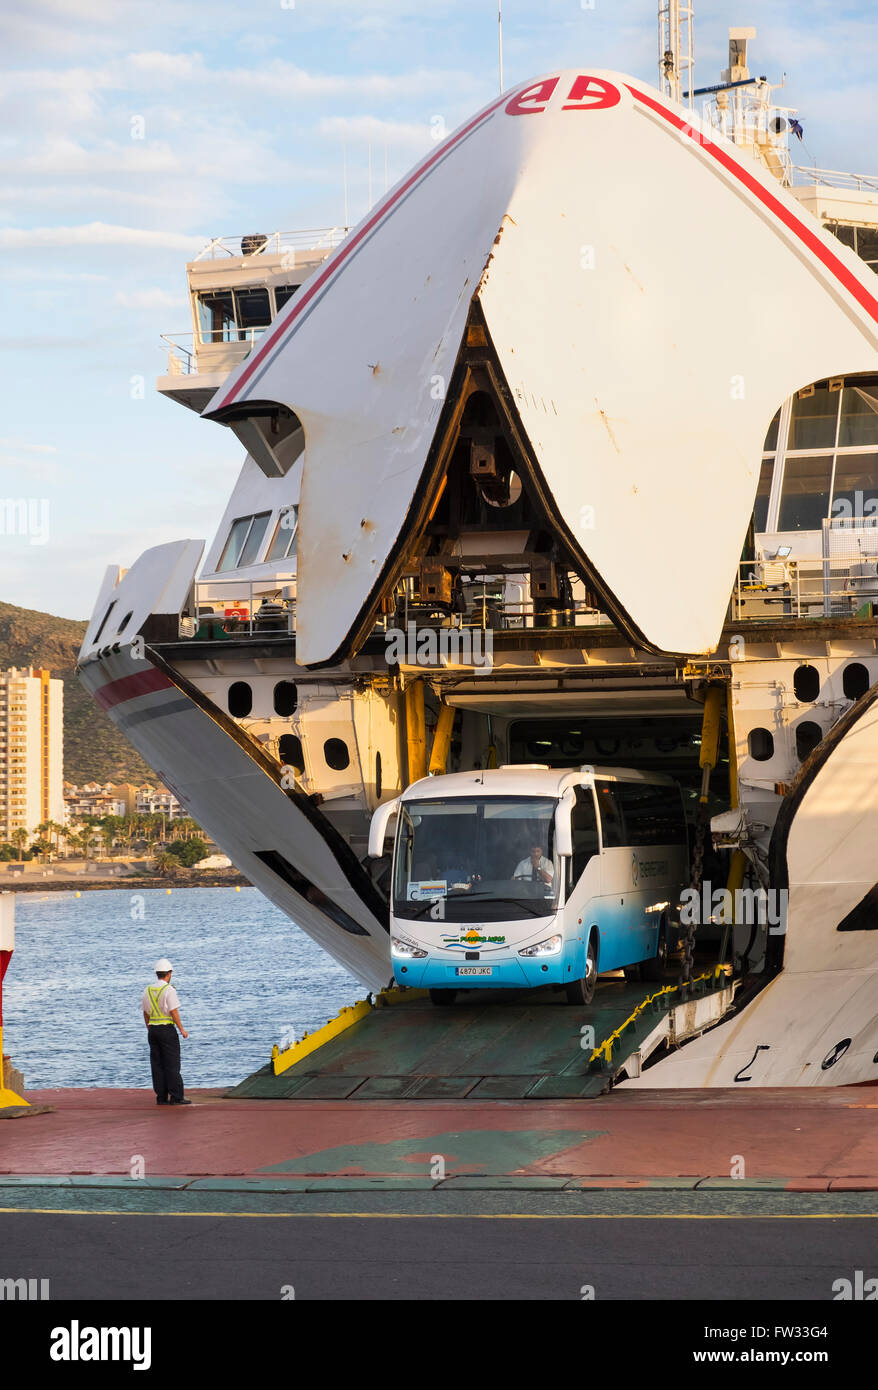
(465,1216)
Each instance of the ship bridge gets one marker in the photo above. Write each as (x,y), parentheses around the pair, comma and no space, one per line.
(237,287)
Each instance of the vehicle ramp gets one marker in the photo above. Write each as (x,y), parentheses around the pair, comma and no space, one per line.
(487,1046)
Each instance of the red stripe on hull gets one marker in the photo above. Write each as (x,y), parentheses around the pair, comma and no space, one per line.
(789,219)
(129,687)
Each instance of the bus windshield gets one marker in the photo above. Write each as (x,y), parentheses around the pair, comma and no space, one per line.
(467,859)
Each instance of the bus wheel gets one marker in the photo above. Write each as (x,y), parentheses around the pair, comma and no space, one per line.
(582,991)
(442,996)
(655,969)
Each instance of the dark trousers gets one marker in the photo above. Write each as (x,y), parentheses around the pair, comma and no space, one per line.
(164,1058)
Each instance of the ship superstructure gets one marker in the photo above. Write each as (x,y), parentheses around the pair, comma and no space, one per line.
(506,444)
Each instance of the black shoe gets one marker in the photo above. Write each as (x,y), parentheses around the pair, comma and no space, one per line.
(160,1102)
(179,1102)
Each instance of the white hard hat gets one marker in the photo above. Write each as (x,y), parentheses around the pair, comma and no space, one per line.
(163,966)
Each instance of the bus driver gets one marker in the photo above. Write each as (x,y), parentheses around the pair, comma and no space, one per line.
(536,867)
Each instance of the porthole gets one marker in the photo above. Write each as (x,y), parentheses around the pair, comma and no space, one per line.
(855,680)
(335,751)
(124,623)
(808,735)
(806,684)
(378,776)
(286,698)
(289,748)
(760,742)
(240,699)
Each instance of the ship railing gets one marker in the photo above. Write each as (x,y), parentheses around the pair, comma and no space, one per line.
(223,609)
(219,353)
(181,353)
(771,588)
(496,603)
(314,238)
(834,178)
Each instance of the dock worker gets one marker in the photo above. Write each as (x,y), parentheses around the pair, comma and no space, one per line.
(536,867)
(161,1014)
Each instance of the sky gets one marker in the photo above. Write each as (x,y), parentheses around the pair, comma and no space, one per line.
(132,132)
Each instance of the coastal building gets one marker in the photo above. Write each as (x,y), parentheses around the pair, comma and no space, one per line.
(152,800)
(31,749)
(120,799)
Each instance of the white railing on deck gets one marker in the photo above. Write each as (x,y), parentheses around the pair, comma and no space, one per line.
(317,239)
(243,608)
(834,178)
(767,589)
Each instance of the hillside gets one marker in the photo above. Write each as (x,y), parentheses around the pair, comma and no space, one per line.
(94,751)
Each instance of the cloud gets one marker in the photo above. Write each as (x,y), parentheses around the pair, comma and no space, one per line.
(406,135)
(149,299)
(97,234)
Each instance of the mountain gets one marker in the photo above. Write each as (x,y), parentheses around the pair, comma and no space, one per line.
(94,750)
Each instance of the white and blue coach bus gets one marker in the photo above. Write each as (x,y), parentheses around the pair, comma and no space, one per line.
(522,876)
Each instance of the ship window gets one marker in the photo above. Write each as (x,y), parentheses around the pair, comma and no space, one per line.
(804,501)
(814,420)
(863,240)
(254,539)
(252,310)
(285,698)
(771,437)
(243,543)
(283,542)
(859,417)
(806,684)
(808,735)
(216,316)
(761,745)
(282,293)
(846,235)
(854,493)
(97,636)
(763,492)
(124,623)
(240,699)
(289,748)
(867,245)
(855,680)
(378,776)
(335,751)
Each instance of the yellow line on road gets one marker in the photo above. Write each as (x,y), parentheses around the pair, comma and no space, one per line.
(467,1216)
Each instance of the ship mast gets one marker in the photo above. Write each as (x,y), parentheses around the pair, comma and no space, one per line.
(677,50)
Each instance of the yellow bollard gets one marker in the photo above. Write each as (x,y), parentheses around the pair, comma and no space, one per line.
(713,704)
(442,739)
(415,730)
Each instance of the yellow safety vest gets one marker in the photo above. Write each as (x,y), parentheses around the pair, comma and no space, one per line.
(156,1013)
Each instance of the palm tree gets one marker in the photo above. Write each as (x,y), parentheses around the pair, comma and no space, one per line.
(168,865)
(53,828)
(19,838)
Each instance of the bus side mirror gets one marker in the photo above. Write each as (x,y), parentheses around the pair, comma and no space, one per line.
(378,826)
(564,827)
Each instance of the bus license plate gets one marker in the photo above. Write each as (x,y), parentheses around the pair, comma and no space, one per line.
(474,970)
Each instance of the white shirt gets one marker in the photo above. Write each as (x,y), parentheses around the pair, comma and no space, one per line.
(168,999)
(526,867)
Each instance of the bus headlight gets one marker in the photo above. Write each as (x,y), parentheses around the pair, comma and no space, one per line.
(401,946)
(550,947)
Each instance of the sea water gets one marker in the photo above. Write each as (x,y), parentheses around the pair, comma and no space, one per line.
(246,976)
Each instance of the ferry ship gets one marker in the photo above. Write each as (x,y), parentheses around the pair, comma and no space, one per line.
(570,445)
